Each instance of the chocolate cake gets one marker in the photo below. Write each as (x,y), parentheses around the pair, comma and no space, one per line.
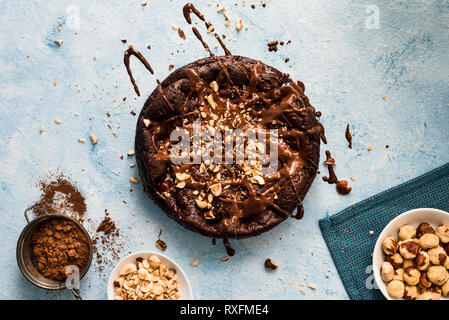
(222,93)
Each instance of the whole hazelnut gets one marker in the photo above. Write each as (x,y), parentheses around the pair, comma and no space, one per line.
(443,233)
(387,272)
(429,240)
(390,246)
(396,260)
(411,276)
(396,289)
(437,256)
(398,274)
(437,275)
(406,232)
(422,260)
(409,249)
(343,187)
(410,292)
(429,295)
(445,289)
(424,282)
(424,228)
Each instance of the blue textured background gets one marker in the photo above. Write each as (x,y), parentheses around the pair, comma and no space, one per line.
(346,69)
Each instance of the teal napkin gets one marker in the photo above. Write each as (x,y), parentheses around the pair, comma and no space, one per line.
(347,232)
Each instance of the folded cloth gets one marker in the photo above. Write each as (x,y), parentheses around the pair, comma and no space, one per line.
(347,233)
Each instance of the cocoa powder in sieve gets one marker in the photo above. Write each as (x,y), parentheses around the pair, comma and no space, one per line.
(57,244)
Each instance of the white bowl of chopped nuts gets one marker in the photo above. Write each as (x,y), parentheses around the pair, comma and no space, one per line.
(148,275)
(411,256)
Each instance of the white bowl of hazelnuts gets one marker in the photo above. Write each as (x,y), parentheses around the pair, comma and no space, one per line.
(411,256)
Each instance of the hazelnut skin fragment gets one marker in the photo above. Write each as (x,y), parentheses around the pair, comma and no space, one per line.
(389,246)
(396,289)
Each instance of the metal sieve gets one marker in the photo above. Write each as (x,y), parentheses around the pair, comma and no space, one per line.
(25,257)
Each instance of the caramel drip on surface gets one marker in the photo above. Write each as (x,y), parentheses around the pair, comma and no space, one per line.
(228,247)
(132,52)
(332,176)
(190,8)
(348,137)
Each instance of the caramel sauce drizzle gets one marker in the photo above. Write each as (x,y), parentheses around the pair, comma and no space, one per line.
(132,52)
(348,137)
(190,8)
(280,101)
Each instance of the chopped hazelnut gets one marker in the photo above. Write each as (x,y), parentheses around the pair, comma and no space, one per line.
(128,268)
(93,138)
(270,264)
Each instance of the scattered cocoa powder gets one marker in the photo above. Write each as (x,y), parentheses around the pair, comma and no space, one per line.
(61,196)
(105,243)
(57,244)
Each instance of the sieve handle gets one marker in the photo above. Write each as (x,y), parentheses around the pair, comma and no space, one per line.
(31,208)
(76,293)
